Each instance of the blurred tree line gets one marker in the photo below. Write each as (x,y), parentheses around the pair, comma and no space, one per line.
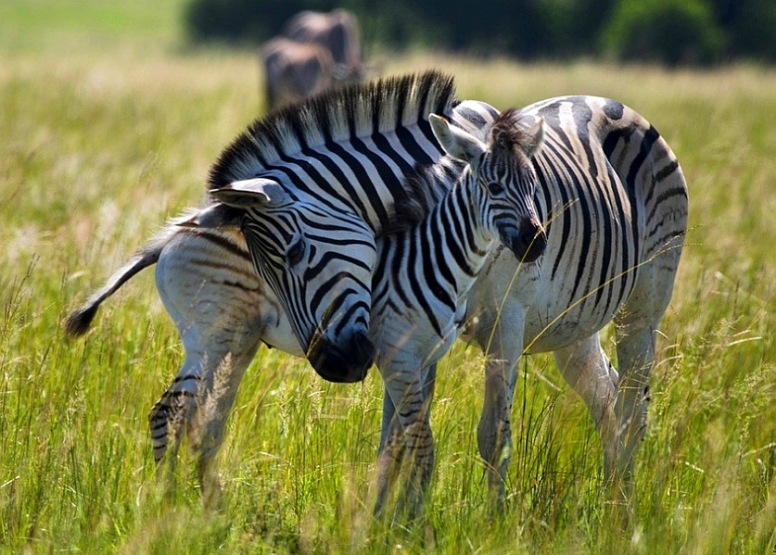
(673,32)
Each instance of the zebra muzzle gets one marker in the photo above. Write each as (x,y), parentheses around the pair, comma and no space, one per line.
(529,244)
(346,361)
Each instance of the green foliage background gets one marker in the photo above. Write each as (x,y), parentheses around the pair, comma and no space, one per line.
(668,31)
(109,124)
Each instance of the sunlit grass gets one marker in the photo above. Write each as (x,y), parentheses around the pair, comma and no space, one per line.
(99,147)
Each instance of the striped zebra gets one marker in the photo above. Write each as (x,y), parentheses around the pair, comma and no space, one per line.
(615,203)
(425,268)
(363,139)
(424,274)
(614,200)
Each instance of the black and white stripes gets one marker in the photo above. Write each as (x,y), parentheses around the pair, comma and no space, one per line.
(614,201)
(339,157)
(320,177)
(425,270)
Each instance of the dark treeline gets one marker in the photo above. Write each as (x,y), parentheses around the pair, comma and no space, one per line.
(668,31)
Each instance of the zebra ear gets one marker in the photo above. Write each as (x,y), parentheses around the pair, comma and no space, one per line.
(251,193)
(535,138)
(215,215)
(457,142)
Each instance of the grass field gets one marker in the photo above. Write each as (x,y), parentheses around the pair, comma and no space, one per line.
(108,126)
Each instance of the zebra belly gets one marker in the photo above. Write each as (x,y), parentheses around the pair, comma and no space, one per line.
(528,301)
(549,327)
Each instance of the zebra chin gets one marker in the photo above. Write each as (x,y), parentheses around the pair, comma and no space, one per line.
(528,245)
(346,361)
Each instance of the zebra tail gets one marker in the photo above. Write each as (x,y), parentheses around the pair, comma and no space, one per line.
(78,322)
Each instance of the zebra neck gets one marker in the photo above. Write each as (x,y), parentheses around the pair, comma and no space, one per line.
(456,227)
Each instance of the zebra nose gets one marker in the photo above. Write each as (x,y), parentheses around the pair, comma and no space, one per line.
(530,243)
(344,362)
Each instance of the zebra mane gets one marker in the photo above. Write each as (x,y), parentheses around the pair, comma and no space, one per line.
(509,132)
(334,116)
(426,186)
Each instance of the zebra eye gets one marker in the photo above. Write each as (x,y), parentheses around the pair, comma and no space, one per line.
(495,188)
(295,253)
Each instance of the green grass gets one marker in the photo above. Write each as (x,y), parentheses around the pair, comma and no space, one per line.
(63,27)
(101,145)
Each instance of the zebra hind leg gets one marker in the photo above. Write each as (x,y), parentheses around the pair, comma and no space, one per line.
(587,370)
(197,404)
(206,432)
(169,420)
(636,327)
(635,356)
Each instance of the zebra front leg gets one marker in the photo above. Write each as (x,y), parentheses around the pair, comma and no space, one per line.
(494,431)
(420,472)
(406,451)
(389,409)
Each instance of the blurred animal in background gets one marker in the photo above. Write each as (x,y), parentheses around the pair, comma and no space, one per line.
(336,31)
(294,71)
(314,52)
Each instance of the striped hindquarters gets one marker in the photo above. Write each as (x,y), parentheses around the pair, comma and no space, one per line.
(613,196)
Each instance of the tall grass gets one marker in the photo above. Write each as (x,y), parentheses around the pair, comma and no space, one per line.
(99,147)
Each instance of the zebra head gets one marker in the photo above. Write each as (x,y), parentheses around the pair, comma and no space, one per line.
(319,264)
(502,168)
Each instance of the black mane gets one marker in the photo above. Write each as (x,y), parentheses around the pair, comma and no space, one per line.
(425,188)
(335,116)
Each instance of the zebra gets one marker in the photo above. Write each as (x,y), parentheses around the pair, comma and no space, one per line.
(615,203)
(492,197)
(415,312)
(294,71)
(317,169)
(223,310)
(338,32)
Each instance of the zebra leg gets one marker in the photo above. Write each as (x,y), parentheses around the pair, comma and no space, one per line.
(389,409)
(207,431)
(635,355)
(421,471)
(169,418)
(636,327)
(407,444)
(220,313)
(198,403)
(494,431)
(587,369)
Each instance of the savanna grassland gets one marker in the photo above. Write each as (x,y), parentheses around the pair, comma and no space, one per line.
(108,125)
